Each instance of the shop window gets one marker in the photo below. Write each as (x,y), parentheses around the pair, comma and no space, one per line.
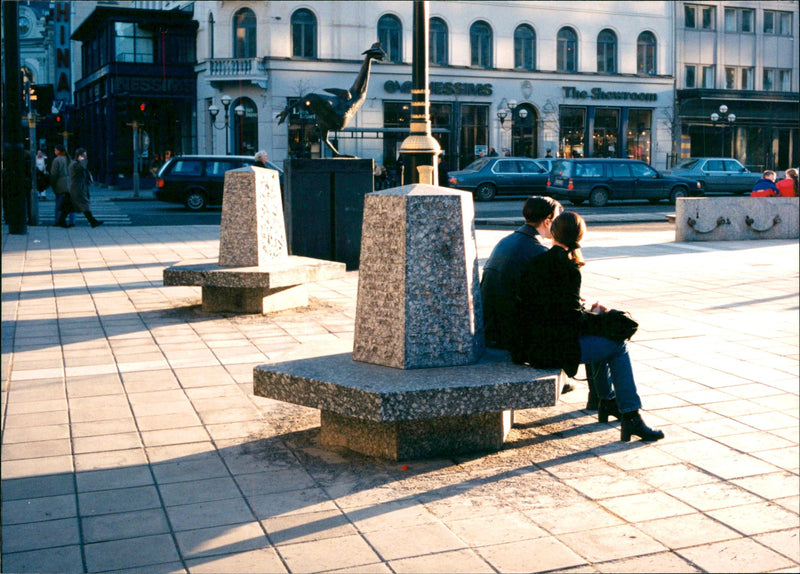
(480,38)
(639,133)
(606,132)
(646,54)
(524,48)
(133,43)
(607,52)
(437,44)
(390,35)
(573,126)
(244,34)
(474,131)
(245,127)
(304,34)
(567,50)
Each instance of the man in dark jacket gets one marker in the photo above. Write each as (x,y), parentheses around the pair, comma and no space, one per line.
(79,179)
(765,187)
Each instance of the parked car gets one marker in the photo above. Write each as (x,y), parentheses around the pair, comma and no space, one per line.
(716,174)
(546,162)
(599,180)
(487,177)
(197,181)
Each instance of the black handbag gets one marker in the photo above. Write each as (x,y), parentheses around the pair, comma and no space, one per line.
(613,324)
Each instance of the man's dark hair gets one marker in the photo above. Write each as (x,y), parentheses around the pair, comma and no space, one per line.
(59,148)
(538,208)
(80,151)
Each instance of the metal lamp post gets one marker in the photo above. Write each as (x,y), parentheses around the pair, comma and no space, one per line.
(239,111)
(721,118)
(213,111)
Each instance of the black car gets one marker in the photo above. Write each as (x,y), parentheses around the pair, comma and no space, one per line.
(487,177)
(599,180)
(198,180)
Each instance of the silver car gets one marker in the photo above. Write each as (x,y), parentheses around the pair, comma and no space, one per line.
(717,174)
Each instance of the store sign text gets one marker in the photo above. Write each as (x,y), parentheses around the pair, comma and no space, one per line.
(441,88)
(599,94)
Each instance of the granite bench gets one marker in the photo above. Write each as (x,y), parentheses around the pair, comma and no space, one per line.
(401,414)
(736,218)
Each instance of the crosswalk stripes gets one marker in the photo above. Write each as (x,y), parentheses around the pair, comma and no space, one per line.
(103,209)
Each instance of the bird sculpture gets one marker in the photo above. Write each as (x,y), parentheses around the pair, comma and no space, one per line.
(335,109)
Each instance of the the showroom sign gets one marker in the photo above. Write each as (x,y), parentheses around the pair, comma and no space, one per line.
(600,94)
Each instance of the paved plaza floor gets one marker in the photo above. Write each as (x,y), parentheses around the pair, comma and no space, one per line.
(132,442)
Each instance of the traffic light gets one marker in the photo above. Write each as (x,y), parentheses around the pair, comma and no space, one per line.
(142,107)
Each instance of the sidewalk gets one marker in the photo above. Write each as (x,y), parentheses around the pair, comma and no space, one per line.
(132,440)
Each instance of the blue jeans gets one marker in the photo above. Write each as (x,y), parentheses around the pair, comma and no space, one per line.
(608,355)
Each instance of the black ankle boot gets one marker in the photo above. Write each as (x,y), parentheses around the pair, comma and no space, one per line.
(593,402)
(632,424)
(607,407)
(92,221)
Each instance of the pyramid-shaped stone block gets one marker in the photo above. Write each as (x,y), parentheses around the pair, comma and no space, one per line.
(418,291)
(252,228)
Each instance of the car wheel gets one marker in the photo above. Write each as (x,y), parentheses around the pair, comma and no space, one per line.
(598,197)
(485,192)
(676,193)
(196,200)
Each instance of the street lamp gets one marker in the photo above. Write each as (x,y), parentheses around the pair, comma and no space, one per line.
(213,111)
(239,111)
(721,118)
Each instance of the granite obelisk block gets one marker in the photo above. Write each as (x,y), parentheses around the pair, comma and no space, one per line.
(252,229)
(418,290)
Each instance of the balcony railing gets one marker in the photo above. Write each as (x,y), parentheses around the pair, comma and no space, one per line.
(221,70)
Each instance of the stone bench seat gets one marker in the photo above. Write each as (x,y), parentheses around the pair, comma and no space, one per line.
(273,286)
(411,413)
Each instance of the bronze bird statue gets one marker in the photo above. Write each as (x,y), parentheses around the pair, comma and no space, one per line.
(335,109)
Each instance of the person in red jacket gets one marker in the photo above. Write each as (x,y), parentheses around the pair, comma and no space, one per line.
(787,187)
(765,187)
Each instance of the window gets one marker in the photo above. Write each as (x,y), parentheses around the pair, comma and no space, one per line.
(187,167)
(524,48)
(304,34)
(779,23)
(245,128)
(474,131)
(747,75)
(730,78)
(708,77)
(390,35)
(690,81)
(642,170)
(739,20)
(480,37)
(607,52)
(777,80)
(133,44)
(437,44)
(639,134)
(244,34)
(698,16)
(567,50)
(573,125)
(646,54)
(620,170)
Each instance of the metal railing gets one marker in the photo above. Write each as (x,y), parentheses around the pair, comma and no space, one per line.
(236,67)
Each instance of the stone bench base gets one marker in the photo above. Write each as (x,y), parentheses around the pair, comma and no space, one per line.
(273,287)
(736,218)
(401,414)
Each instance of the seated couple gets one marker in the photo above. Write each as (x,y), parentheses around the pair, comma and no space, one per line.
(532,307)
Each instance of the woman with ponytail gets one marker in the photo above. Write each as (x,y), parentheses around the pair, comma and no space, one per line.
(562,334)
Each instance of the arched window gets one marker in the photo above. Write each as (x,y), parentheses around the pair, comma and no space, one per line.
(304,34)
(245,127)
(480,39)
(646,54)
(607,52)
(524,48)
(244,34)
(567,50)
(437,42)
(390,35)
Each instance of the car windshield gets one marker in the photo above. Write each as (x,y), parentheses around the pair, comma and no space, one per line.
(477,165)
(686,163)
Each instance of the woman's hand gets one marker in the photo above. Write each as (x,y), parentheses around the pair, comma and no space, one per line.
(597,308)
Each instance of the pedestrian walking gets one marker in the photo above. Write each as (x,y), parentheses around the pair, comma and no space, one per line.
(79,180)
(59,181)
(42,180)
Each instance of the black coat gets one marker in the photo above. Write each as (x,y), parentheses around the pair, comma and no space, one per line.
(549,306)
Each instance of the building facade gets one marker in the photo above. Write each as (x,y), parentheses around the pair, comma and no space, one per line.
(617,79)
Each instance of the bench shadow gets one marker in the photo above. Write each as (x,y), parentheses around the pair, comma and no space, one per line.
(288,485)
